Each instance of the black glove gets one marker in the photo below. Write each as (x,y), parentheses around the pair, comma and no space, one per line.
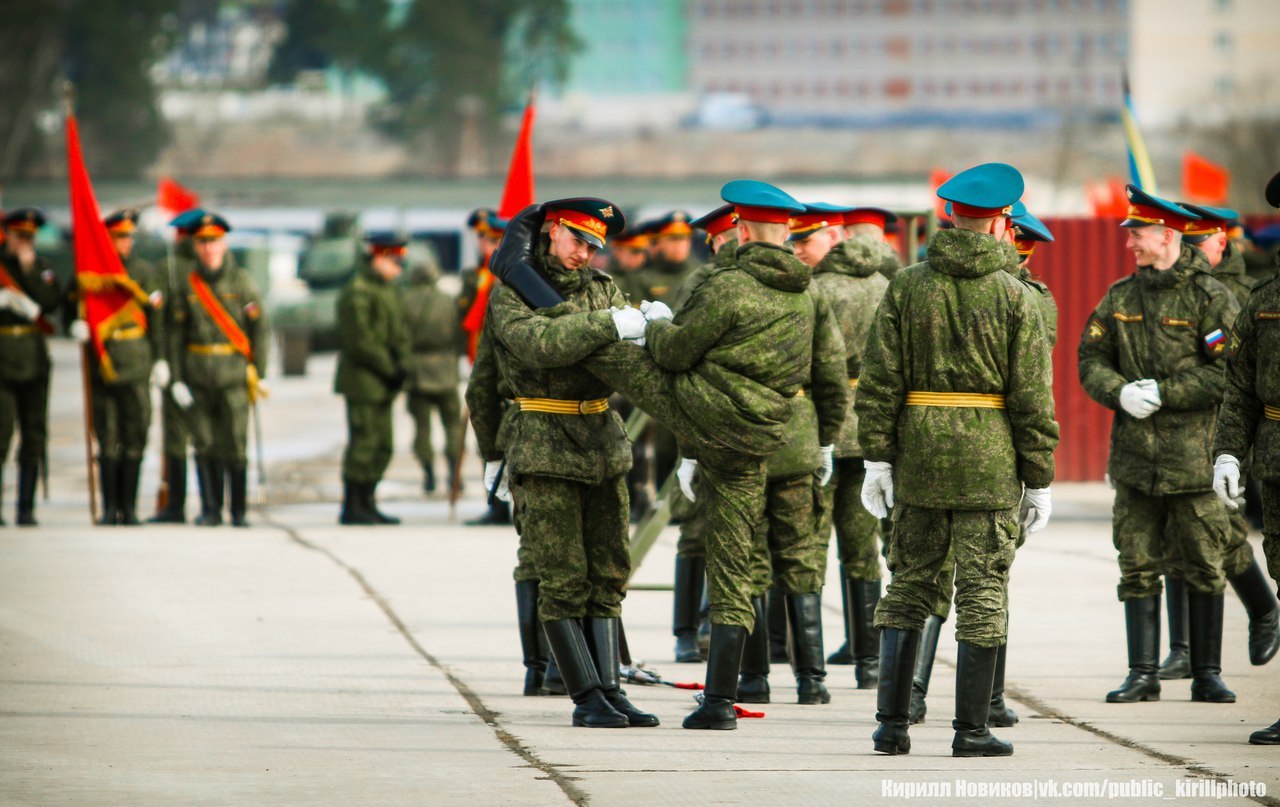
(515,263)
(396,380)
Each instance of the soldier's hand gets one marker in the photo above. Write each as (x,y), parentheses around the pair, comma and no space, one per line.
(684,476)
(629,322)
(655,310)
(828,465)
(495,480)
(1226,481)
(20,304)
(160,375)
(79,329)
(1036,508)
(1140,398)
(877,488)
(181,395)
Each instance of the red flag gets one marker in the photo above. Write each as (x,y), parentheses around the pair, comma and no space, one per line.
(1204,181)
(109,298)
(936,177)
(518,194)
(174,198)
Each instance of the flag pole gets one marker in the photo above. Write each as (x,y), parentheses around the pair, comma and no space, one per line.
(86,387)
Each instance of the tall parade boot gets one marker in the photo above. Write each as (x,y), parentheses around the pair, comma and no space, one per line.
(704,621)
(602,637)
(552,682)
(1206,649)
(844,653)
(898,650)
(753,684)
(428,478)
(1000,715)
(1142,627)
(687,594)
(531,639)
(924,667)
(354,511)
(864,595)
(1178,663)
(212,480)
(28,476)
(723,662)
(1268,736)
(238,480)
(804,618)
(1254,591)
(174,511)
(569,647)
(130,470)
(371,502)
(975,671)
(109,483)
(777,627)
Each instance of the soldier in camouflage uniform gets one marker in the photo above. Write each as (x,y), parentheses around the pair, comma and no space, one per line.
(867,225)
(29,296)
(431,319)
(1151,351)
(121,390)
(218,355)
(964,439)
(1249,421)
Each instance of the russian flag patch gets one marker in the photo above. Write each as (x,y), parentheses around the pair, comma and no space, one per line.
(1215,341)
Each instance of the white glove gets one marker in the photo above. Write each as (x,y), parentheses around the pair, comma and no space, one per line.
(181,395)
(1140,398)
(264,389)
(1035,509)
(8,300)
(684,475)
(495,475)
(1226,481)
(160,375)
(655,310)
(828,465)
(20,304)
(877,488)
(80,330)
(629,322)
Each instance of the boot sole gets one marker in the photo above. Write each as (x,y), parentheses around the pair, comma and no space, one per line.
(1264,740)
(1140,699)
(893,749)
(817,700)
(956,753)
(1203,699)
(583,725)
(719,725)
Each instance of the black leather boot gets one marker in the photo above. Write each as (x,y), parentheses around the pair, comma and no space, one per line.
(212,480)
(130,470)
(238,480)
(552,683)
(893,697)
(109,484)
(174,511)
(687,596)
(924,668)
(1268,736)
(1142,627)
(753,684)
(1178,663)
(777,627)
(591,709)
(804,620)
(723,662)
(1206,649)
(864,595)
(531,640)
(602,637)
(844,653)
(498,515)
(1254,590)
(975,671)
(371,502)
(428,478)
(1000,715)
(354,511)
(28,476)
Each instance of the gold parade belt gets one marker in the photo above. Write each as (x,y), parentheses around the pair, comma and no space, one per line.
(977,400)
(800,393)
(124,334)
(222,349)
(557,406)
(853,383)
(17,330)
(1271,412)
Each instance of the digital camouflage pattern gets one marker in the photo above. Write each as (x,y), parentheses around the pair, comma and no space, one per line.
(660,279)
(626,281)
(435,336)
(857,531)
(958,323)
(723,257)
(1271,528)
(1048,306)
(25,363)
(795,556)
(1183,533)
(1232,273)
(878,253)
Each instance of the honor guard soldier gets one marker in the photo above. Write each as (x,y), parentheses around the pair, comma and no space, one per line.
(218,351)
(1152,351)
(374,352)
(431,318)
(962,441)
(1249,421)
(121,387)
(29,296)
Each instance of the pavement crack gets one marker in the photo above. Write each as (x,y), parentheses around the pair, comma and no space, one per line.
(490,717)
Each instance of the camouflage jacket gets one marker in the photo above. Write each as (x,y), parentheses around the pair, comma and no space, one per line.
(373,342)
(877,252)
(742,347)
(537,353)
(24,350)
(1231,273)
(660,279)
(1172,326)
(698,276)
(193,329)
(432,319)
(488,401)
(958,323)
(1048,306)
(850,279)
(626,281)
(1253,385)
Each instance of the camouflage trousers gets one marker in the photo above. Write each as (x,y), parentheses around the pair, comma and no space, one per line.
(26,405)
(121,418)
(173,427)
(787,552)
(857,531)
(1185,533)
(1271,528)
(692,542)
(1237,556)
(421,405)
(983,542)
(219,421)
(369,441)
(946,581)
(733,487)
(576,537)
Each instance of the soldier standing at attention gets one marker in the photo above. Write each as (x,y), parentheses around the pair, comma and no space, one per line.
(866,225)
(1249,420)
(29,295)
(374,350)
(964,440)
(120,390)
(218,345)
(1151,351)
(431,318)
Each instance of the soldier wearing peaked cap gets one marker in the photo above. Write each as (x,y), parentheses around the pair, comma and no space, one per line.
(1153,351)
(628,252)
(29,297)
(866,226)
(959,445)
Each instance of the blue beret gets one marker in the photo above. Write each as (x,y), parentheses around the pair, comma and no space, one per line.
(984,190)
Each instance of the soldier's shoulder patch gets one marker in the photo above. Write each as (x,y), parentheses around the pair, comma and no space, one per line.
(1233,345)
(1216,341)
(252,311)
(48,277)
(1095,330)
